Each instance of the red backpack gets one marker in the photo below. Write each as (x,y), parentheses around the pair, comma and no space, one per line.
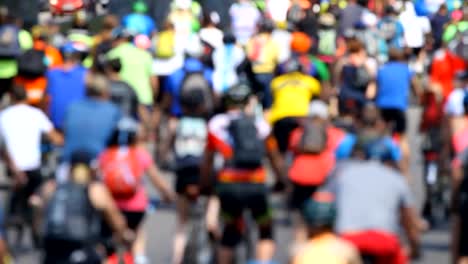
(120,172)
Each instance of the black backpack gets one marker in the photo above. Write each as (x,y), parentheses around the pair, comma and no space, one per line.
(70,216)
(9,42)
(314,138)
(31,64)
(196,91)
(248,147)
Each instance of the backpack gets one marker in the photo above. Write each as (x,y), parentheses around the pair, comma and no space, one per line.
(196,91)
(31,64)
(120,172)
(460,45)
(9,42)
(327,42)
(247,146)
(207,56)
(165,45)
(70,216)
(361,78)
(388,30)
(314,138)
(190,142)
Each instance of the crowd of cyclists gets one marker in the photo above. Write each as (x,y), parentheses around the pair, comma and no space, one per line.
(300,97)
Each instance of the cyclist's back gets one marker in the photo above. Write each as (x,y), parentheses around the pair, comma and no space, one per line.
(292,93)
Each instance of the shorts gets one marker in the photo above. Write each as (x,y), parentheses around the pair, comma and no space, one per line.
(300,194)
(282,130)
(186,177)
(5,86)
(236,198)
(19,204)
(395,117)
(62,252)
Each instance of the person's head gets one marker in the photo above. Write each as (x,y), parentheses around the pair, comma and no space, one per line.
(390,11)
(126,133)
(229,38)
(112,66)
(121,35)
(109,23)
(443,10)
(300,42)
(140,7)
(97,86)
(71,52)
(4,15)
(318,110)
(237,96)
(39,33)
(266,26)
(211,19)
(293,65)
(356,51)
(327,20)
(18,94)
(319,213)
(80,20)
(395,54)
(371,119)
(81,167)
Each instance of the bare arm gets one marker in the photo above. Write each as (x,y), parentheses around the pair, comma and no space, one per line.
(160,183)
(102,200)
(411,225)
(276,160)
(55,137)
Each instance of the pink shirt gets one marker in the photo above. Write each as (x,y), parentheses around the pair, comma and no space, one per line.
(139,202)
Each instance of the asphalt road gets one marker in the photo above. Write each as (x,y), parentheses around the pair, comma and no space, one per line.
(160,224)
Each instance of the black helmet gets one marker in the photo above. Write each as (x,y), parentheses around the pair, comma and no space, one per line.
(320,210)
(292,65)
(237,94)
(266,26)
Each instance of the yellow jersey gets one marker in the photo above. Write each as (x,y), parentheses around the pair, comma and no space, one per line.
(264,53)
(292,93)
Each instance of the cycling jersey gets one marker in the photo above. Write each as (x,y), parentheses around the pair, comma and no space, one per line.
(219,140)
(291,95)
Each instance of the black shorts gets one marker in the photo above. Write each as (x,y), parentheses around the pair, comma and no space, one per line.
(186,177)
(396,118)
(300,194)
(282,130)
(236,198)
(19,204)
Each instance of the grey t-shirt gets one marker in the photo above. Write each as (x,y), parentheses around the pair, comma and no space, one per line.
(369,196)
(349,17)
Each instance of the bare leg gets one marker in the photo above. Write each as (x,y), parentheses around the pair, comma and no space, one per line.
(180,238)
(265,250)
(225,255)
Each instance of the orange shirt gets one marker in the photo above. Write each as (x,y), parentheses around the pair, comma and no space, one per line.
(444,68)
(35,88)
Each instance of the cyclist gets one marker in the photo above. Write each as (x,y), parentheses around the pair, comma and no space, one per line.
(292,93)
(138,22)
(21,129)
(89,123)
(323,246)
(71,75)
(368,185)
(240,139)
(313,145)
(73,213)
(263,53)
(126,158)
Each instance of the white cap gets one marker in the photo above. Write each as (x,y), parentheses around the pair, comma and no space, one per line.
(318,109)
(183,4)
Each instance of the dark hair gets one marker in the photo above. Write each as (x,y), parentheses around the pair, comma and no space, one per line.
(18,93)
(116,138)
(229,38)
(114,65)
(355,46)
(395,54)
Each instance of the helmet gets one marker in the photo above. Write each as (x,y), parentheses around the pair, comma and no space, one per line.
(237,94)
(320,210)
(139,7)
(300,42)
(292,65)
(266,25)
